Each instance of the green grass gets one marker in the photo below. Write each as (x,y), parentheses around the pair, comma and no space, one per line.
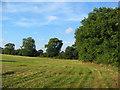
(36,72)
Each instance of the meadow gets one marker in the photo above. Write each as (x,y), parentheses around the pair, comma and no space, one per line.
(37,72)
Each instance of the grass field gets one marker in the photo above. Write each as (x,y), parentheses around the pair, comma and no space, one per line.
(36,72)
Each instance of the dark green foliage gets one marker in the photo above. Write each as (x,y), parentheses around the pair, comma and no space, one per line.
(10,45)
(71,53)
(17,52)
(28,47)
(9,49)
(40,52)
(53,47)
(44,55)
(98,38)
(61,55)
(20,52)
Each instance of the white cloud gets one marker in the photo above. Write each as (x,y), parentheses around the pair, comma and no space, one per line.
(73,19)
(36,7)
(49,20)
(17,8)
(25,22)
(52,18)
(77,17)
(69,30)
(44,10)
(41,9)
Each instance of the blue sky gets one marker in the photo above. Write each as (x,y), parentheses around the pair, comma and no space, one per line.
(44,20)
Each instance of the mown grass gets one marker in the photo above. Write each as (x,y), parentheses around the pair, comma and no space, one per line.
(36,72)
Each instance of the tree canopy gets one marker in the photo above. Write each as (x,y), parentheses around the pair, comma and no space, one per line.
(53,47)
(28,48)
(9,48)
(10,45)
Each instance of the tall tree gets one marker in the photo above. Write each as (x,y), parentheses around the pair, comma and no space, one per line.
(53,47)
(28,48)
(98,37)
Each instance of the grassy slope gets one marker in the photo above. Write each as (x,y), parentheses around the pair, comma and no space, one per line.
(35,72)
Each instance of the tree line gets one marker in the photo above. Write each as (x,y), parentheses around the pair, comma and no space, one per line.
(28,48)
(97,40)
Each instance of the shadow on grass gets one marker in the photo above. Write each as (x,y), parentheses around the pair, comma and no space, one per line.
(6,61)
(23,65)
(8,73)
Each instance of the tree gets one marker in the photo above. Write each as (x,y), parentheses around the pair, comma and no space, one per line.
(9,48)
(28,48)
(98,38)
(53,47)
(71,53)
(40,52)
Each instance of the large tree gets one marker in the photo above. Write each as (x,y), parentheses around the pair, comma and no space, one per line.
(9,48)
(53,47)
(98,37)
(28,48)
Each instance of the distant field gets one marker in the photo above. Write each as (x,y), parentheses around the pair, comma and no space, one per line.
(36,72)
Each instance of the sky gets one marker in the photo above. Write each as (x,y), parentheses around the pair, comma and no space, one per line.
(44,20)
